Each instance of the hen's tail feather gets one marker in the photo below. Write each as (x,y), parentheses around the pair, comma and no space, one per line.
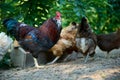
(84,23)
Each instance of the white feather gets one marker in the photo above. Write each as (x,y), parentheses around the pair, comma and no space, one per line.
(66,42)
(23,24)
(59,23)
(81,44)
(5,43)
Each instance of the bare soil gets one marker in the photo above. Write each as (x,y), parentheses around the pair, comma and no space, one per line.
(101,68)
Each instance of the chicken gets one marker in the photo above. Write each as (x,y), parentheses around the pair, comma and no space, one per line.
(108,42)
(36,40)
(86,39)
(66,43)
(5,44)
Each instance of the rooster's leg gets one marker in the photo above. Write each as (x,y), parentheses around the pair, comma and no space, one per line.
(36,63)
(54,60)
(86,58)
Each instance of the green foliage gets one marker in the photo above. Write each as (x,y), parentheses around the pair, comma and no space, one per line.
(103,15)
(31,12)
(5,63)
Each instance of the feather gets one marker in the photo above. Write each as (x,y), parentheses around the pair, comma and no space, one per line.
(36,40)
(108,42)
(66,43)
(5,43)
(86,40)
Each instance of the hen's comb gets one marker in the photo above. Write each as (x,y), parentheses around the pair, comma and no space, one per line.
(58,13)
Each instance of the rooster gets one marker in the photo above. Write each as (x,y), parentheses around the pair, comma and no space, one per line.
(66,43)
(5,44)
(108,42)
(36,40)
(86,39)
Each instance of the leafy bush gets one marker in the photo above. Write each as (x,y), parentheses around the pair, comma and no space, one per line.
(103,15)
(5,63)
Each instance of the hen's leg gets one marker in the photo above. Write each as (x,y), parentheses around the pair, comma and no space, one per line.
(54,60)
(67,57)
(86,58)
(72,56)
(92,56)
(107,55)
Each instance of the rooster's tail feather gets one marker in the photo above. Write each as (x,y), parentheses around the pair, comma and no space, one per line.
(10,24)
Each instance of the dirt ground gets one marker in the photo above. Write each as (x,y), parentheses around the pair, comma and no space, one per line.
(101,68)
